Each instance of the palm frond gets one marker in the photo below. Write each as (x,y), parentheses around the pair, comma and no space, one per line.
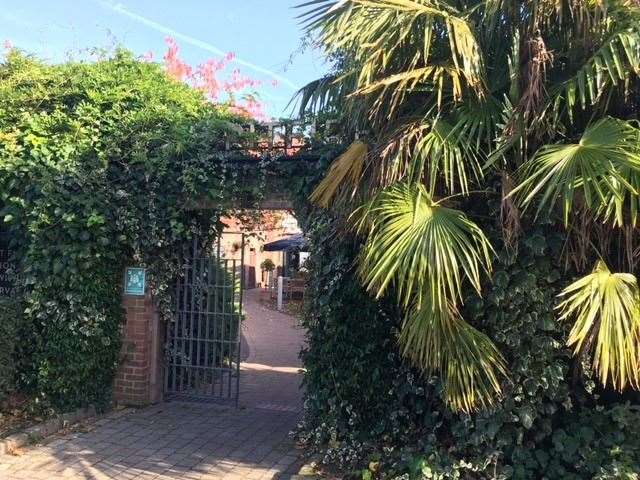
(392,43)
(321,94)
(594,166)
(606,313)
(477,121)
(466,53)
(620,207)
(422,248)
(345,170)
(425,251)
(437,149)
(440,341)
(610,65)
(447,78)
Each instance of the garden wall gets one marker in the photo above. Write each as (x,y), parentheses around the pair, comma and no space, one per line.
(139,376)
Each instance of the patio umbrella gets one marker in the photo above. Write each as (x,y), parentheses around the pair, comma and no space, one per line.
(292,243)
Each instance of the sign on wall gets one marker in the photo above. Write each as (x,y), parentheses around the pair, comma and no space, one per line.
(134,281)
(7,269)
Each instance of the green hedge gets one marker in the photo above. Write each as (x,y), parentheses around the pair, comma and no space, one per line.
(100,164)
(9,326)
(370,413)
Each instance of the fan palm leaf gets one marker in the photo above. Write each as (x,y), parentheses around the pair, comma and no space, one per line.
(392,42)
(476,122)
(437,150)
(426,250)
(595,166)
(610,65)
(440,341)
(606,313)
(621,208)
(421,247)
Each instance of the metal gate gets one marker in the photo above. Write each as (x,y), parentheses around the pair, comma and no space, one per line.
(203,336)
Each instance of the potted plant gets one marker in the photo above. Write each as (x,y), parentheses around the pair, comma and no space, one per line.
(268,266)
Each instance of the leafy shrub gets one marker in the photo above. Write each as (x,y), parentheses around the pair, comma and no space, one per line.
(9,327)
(99,163)
(370,413)
(267,265)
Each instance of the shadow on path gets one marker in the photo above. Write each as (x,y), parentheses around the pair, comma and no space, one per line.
(189,440)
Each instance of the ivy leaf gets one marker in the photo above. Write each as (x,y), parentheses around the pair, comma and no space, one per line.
(501,279)
(537,243)
(526,415)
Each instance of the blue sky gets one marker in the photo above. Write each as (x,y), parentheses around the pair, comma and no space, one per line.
(264,34)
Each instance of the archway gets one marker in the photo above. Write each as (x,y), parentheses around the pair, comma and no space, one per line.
(194,352)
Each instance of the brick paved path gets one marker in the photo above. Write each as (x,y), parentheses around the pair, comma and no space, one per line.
(187,440)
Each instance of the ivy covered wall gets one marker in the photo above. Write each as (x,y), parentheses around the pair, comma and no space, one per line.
(10,323)
(100,166)
(371,414)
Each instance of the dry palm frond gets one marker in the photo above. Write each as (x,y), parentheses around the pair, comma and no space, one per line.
(345,170)
(578,243)
(471,366)
(606,313)
(533,78)
(576,16)
(422,248)
(509,213)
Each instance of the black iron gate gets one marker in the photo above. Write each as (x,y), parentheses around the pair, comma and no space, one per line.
(203,336)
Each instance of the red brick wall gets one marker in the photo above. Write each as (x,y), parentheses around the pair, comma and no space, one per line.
(136,381)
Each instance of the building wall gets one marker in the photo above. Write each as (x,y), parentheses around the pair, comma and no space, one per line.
(270,226)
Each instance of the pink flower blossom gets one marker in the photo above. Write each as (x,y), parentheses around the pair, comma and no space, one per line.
(205,78)
(175,67)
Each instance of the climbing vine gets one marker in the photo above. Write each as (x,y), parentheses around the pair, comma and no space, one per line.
(9,313)
(102,165)
(372,415)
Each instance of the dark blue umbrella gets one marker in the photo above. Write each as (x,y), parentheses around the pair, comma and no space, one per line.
(292,243)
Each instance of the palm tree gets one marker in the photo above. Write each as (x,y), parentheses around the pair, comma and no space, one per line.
(453,93)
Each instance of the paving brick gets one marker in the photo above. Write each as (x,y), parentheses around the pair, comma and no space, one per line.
(174,441)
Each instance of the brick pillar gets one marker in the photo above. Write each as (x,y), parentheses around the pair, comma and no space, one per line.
(139,377)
